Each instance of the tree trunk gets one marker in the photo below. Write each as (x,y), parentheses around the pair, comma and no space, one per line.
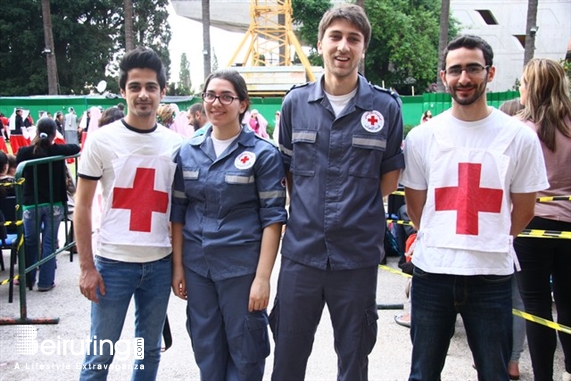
(206,37)
(442,41)
(129,34)
(361,3)
(530,30)
(49,49)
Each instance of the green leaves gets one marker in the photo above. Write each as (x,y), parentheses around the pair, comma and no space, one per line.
(88,37)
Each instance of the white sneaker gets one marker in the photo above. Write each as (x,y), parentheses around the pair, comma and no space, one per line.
(566,376)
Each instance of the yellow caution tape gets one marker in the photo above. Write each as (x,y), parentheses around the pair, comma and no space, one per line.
(6,281)
(553,198)
(542,321)
(525,315)
(545,234)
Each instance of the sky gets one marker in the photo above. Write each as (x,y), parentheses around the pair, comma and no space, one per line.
(187,38)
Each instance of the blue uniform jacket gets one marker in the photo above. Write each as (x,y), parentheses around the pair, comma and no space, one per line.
(226,202)
(337,216)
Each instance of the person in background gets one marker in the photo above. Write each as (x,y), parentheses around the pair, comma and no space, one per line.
(224,255)
(258,124)
(470,181)
(42,215)
(198,119)
(12,165)
(5,125)
(59,122)
(18,133)
(276,133)
(340,141)
(512,108)
(545,263)
(166,115)
(70,127)
(132,158)
(110,115)
(426,116)
(6,189)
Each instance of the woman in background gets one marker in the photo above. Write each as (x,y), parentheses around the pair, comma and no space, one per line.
(544,92)
(44,214)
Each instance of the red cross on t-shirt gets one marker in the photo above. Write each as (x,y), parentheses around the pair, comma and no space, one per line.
(142,200)
(244,159)
(468,199)
(373,120)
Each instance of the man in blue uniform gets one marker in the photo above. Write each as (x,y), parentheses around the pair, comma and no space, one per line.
(340,140)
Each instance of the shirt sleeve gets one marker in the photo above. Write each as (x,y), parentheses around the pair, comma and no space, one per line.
(91,163)
(179,199)
(530,174)
(285,133)
(394,156)
(270,183)
(414,175)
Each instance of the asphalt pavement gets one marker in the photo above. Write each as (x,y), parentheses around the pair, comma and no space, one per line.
(59,353)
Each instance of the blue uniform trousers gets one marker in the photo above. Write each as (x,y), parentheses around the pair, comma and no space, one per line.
(229,343)
(301,295)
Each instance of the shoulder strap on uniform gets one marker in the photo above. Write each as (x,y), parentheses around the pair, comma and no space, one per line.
(299,86)
(393,94)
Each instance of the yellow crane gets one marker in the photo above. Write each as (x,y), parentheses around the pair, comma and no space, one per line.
(270,39)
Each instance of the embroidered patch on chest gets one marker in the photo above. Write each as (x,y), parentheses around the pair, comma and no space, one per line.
(245,160)
(372,121)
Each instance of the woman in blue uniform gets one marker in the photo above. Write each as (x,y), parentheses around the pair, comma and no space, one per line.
(228,211)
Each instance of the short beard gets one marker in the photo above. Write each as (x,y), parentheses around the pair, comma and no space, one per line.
(470,100)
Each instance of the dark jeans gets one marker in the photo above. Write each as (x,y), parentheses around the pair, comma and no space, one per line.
(483,301)
(540,260)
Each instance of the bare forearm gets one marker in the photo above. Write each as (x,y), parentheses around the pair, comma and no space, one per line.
(83,235)
(268,251)
(415,200)
(523,208)
(390,182)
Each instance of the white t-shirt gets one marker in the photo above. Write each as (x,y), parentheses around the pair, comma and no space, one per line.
(118,147)
(525,174)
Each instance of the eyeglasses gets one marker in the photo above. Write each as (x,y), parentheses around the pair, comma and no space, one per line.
(225,99)
(472,70)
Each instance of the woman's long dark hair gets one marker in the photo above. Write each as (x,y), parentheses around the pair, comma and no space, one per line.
(45,134)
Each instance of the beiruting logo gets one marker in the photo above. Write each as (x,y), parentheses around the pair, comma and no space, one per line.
(27,344)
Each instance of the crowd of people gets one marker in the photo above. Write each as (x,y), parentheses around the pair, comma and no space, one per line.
(195,201)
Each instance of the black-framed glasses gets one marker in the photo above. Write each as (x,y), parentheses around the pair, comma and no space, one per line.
(225,99)
(472,70)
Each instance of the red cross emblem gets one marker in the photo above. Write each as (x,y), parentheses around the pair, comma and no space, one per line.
(372,120)
(142,200)
(244,159)
(468,199)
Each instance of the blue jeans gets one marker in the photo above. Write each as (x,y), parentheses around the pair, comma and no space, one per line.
(150,284)
(485,304)
(45,220)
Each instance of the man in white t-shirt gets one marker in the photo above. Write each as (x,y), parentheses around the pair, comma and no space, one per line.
(470,182)
(132,158)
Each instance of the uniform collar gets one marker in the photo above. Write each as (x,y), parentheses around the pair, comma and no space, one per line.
(362,99)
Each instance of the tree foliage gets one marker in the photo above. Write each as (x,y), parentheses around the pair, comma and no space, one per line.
(403,51)
(88,36)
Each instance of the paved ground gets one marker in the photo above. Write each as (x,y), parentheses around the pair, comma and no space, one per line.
(390,359)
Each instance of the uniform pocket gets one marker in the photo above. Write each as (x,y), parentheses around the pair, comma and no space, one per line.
(255,339)
(304,152)
(366,155)
(369,337)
